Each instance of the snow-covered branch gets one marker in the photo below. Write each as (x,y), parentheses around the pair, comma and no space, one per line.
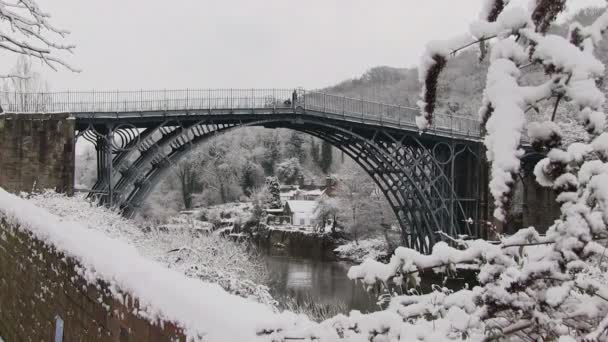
(28,31)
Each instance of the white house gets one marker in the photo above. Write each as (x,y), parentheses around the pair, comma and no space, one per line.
(301,212)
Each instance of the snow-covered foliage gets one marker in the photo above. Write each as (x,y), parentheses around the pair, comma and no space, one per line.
(183,244)
(289,170)
(374,248)
(533,287)
(272,186)
(521,41)
(433,62)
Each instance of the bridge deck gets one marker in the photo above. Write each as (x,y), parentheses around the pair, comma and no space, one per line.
(224,104)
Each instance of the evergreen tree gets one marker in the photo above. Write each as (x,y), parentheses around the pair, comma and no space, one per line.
(272,153)
(274,200)
(326,157)
(250,177)
(295,146)
(289,171)
(314,151)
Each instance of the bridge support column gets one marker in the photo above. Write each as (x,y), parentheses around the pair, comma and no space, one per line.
(489,226)
(37,152)
(105,166)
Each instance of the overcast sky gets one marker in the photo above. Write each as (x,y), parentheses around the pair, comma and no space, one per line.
(134,44)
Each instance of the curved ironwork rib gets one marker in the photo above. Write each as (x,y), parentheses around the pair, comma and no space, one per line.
(155,175)
(414,209)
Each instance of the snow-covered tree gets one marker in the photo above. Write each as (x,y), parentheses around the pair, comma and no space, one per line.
(531,287)
(294,147)
(272,154)
(252,177)
(187,172)
(24,88)
(358,211)
(28,31)
(289,171)
(326,211)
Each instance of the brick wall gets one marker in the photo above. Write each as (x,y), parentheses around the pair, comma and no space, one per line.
(38,284)
(36,152)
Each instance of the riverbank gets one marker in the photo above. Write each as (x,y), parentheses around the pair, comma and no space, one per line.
(298,244)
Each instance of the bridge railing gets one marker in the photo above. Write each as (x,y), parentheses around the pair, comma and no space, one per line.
(144,100)
(209,99)
(385,113)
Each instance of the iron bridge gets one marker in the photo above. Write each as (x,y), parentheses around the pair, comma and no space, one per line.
(432,181)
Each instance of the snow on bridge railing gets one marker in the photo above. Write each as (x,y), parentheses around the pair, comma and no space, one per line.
(209,99)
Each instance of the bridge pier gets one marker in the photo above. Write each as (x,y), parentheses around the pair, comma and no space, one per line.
(37,152)
(532,205)
(104,167)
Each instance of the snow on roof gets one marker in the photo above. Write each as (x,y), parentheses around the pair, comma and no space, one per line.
(289,193)
(196,306)
(302,206)
(317,192)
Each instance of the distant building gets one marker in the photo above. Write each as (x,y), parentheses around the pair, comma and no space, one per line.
(277,217)
(300,211)
(288,195)
(301,195)
(310,195)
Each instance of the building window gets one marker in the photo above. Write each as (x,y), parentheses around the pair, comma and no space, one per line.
(301,222)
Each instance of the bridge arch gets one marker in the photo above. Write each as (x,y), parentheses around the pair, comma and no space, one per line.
(406,169)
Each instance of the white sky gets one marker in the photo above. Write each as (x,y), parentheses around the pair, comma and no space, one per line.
(156,44)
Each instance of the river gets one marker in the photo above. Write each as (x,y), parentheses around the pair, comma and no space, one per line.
(325,282)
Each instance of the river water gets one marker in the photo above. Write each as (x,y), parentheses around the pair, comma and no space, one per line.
(325,282)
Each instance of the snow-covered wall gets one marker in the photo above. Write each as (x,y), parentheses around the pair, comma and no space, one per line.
(102,288)
(39,284)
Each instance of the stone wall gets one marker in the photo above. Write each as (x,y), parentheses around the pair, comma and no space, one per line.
(38,284)
(37,152)
(297,244)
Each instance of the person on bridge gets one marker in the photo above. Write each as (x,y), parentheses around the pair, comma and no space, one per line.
(294,98)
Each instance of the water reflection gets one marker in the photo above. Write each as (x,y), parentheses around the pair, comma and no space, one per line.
(323,281)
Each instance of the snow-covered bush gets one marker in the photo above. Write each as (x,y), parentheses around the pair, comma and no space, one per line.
(179,245)
(289,170)
(374,248)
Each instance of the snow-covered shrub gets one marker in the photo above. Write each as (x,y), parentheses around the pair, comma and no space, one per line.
(179,244)
(374,248)
(289,170)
